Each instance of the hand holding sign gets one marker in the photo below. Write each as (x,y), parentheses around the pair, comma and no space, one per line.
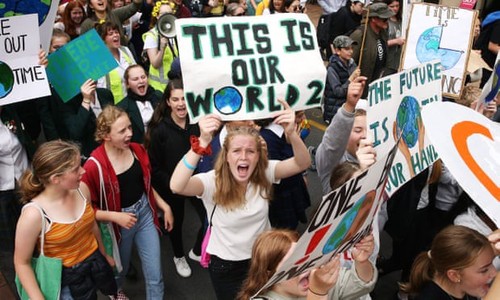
(285,118)
(88,90)
(354,92)
(42,58)
(209,124)
(494,238)
(366,154)
(325,277)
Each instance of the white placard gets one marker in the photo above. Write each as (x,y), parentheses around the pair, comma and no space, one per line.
(440,32)
(469,145)
(237,67)
(344,217)
(394,104)
(21,77)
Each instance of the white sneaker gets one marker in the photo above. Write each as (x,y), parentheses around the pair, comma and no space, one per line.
(182,267)
(194,256)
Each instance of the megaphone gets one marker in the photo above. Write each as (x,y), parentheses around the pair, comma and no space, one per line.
(166,25)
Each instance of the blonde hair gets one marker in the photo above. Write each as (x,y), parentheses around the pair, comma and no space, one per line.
(453,248)
(51,158)
(228,192)
(105,119)
(267,252)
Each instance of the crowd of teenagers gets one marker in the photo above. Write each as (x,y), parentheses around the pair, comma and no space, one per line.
(124,153)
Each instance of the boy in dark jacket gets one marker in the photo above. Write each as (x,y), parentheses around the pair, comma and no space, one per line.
(340,72)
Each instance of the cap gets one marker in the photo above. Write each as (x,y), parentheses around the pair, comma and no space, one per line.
(380,10)
(343,41)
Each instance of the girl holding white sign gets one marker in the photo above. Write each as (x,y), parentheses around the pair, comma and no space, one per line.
(239,189)
(329,281)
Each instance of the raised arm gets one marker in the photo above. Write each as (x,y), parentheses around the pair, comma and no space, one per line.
(182,180)
(301,159)
(333,145)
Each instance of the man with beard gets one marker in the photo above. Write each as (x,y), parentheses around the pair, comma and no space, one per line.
(374,49)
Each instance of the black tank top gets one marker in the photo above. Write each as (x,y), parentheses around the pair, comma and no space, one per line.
(131,184)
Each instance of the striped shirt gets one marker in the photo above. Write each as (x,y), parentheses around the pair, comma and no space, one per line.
(72,241)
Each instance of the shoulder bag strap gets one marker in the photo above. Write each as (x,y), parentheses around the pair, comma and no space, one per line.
(102,193)
(42,234)
(212,215)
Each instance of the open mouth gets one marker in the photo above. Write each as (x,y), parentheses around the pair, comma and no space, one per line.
(243,170)
(142,88)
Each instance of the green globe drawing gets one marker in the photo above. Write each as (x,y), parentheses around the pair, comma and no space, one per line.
(343,227)
(6,80)
(407,120)
(228,100)
(9,8)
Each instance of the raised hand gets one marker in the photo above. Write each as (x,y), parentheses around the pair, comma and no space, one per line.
(285,118)
(322,279)
(363,249)
(209,124)
(354,92)
(88,90)
(366,154)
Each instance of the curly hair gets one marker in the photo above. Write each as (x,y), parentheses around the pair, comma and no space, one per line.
(105,119)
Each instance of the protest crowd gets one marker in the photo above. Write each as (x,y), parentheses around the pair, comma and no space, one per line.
(91,178)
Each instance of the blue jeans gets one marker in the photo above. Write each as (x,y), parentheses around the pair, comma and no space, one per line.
(65,293)
(147,240)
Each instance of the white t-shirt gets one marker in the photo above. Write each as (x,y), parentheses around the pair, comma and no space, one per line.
(151,41)
(234,231)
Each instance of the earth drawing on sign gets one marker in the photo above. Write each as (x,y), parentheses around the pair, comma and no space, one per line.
(428,49)
(407,120)
(228,100)
(6,80)
(10,8)
(351,223)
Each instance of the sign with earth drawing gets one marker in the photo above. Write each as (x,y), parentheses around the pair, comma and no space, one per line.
(21,77)
(394,105)
(343,218)
(238,67)
(46,11)
(440,32)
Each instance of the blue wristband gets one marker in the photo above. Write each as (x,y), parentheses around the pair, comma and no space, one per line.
(188,165)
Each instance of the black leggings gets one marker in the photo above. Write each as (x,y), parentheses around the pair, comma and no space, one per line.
(177,206)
